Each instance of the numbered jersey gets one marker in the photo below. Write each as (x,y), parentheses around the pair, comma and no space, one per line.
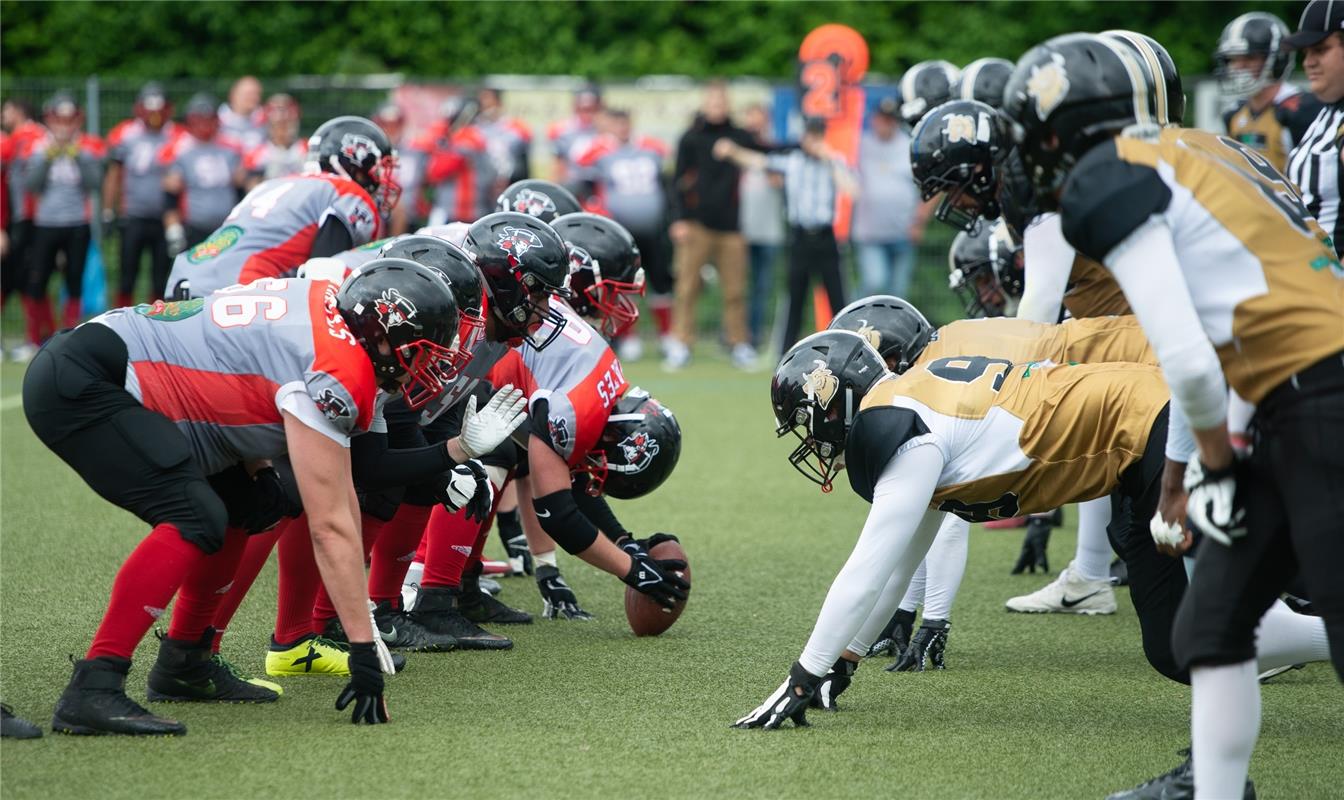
(1076,341)
(1261,273)
(577,375)
(208,170)
(629,180)
(1015,439)
(221,366)
(136,146)
(271,232)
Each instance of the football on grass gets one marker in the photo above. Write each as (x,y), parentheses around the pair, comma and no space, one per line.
(646,617)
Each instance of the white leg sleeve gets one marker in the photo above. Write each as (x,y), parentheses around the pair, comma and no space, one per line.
(1092,560)
(914,593)
(1224,724)
(946,564)
(1286,637)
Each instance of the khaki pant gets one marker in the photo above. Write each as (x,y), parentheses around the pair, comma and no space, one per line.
(727,251)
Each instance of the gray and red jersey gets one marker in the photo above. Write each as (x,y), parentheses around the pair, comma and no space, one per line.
(60,190)
(248,130)
(577,375)
(271,232)
(485,356)
(570,139)
(208,170)
(629,181)
(136,147)
(456,166)
(269,160)
(223,367)
(21,204)
(506,143)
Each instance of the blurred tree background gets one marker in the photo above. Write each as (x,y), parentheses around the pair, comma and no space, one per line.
(606,40)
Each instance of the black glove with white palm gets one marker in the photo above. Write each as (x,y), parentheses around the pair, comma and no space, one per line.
(484,430)
(834,683)
(1215,507)
(657,578)
(557,599)
(789,701)
(468,487)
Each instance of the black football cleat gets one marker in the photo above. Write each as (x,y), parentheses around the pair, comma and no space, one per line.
(480,607)
(436,609)
(188,672)
(94,703)
(1176,784)
(896,636)
(927,649)
(401,632)
(12,727)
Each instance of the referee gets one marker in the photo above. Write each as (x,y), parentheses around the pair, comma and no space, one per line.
(813,176)
(1313,165)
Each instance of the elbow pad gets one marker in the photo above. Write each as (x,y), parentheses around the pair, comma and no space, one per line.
(561,519)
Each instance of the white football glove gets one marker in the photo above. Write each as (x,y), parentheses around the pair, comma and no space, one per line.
(1214,508)
(1166,533)
(380,647)
(323,269)
(482,431)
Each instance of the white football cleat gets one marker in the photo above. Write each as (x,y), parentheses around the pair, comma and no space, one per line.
(1067,594)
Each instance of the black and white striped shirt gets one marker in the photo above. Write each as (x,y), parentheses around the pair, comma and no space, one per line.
(809,188)
(1313,166)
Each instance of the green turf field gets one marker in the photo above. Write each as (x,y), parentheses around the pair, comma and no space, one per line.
(1031,707)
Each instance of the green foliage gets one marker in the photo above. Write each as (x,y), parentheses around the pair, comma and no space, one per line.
(600,40)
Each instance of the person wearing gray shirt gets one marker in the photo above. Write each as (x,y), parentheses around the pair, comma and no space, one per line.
(761,214)
(888,216)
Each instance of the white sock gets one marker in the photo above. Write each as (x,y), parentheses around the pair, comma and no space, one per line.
(914,593)
(1092,561)
(945,565)
(1224,724)
(1285,637)
(410,585)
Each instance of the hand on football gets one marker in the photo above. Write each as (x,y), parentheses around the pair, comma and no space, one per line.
(659,579)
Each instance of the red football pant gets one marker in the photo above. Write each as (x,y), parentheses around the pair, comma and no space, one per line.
(143,588)
(396,546)
(455,544)
(205,587)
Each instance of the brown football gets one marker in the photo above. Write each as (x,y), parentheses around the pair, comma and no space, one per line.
(646,617)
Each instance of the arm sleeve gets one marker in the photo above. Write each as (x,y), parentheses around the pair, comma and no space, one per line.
(1146,267)
(1049,261)
(377,467)
(899,530)
(332,238)
(1180,439)
(597,510)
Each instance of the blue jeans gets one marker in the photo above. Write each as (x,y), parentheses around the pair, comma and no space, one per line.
(762,259)
(885,267)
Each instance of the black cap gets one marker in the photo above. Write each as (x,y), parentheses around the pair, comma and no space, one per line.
(888,107)
(1319,19)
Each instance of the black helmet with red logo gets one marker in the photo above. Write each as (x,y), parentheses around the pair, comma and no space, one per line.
(463,279)
(637,451)
(523,261)
(605,271)
(355,148)
(544,200)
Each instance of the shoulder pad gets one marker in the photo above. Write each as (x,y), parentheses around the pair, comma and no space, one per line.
(1106,199)
(874,438)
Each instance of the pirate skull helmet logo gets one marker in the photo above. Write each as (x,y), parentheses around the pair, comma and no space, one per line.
(639,448)
(531,201)
(516,242)
(394,309)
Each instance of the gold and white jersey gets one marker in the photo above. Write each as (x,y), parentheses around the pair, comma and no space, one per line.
(1093,340)
(1092,292)
(1262,274)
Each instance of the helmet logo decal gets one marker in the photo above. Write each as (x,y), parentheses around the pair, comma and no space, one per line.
(870,333)
(960,128)
(820,385)
(639,448)
(515,242)
(579,259)
(357,148)
(394,309)
(1048,85)
(530,201)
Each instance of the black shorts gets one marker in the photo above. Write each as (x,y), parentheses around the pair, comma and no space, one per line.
(655,256)
(1294,509)
(75,399)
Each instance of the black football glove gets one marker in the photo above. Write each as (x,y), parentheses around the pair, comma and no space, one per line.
(1215,508)
(365,688)
(833,684)
(468,488)
(656,578)
(789,701)
(557,599)
(1033,553)
(520,557)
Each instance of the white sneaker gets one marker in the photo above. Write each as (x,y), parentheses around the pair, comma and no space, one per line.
(630,348)
(1067,594)
(744,357)
(677,355)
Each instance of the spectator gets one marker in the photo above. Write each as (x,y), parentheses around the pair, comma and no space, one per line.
(628,186)
(570,138)
(705,229)
(455,162)
(889,219)
(283,152)
(21,131)
(762,220)
(507,142)
(813,177)
(242,118)
(202,168)
(133,190)
(408,212)
(61,173)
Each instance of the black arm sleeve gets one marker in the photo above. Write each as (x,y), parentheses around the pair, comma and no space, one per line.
(597,510)
(374,466)
(561,519)
(874,438)
(1106,199)
(332,238)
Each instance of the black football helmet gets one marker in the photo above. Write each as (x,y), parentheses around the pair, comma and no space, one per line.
(523,261)
(984,78)
(637,451)
(1067,95)
(409,310)
(1017,195)
(605,272)
(1166,95)
(355,148)
(815,394)
(926,86)
(1253,34)
(544,200)
(463,278)
(975,262)
(895,328)
(954,151)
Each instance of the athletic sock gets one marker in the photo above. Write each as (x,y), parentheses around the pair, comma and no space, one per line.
(394,551)
(296,583)
(1285,637)
(661,306)
(142,590)
(1224,724)
(321,608)
(205,587)
(914,593)
(451,538)
(1092,560)
(255,553)
(74,309)
(32,319)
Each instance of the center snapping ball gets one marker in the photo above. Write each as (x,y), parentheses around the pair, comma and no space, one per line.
(646,617)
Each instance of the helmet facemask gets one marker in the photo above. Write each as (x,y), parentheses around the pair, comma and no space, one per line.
(820,454)
(431,367)
(970,193)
